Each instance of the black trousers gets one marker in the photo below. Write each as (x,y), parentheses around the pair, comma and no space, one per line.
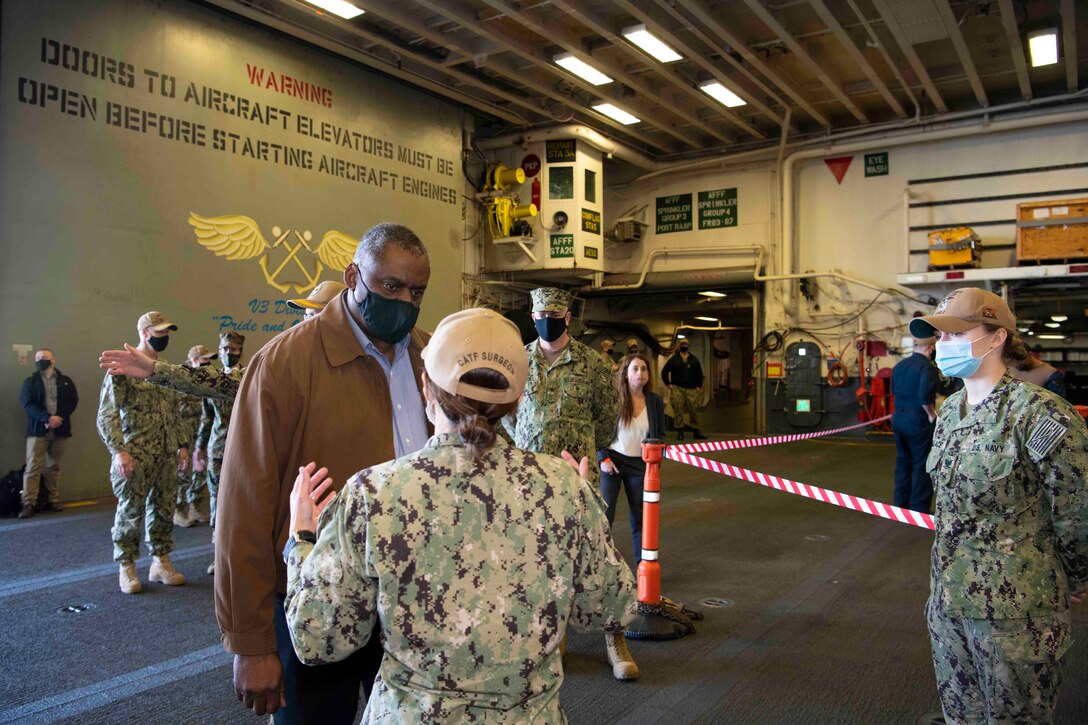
(632,473)
(913,486)
(324,694)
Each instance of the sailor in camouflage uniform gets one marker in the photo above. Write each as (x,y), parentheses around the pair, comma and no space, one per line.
(1009,461)
(192,488)
(570,404)
(472,554)
(138,422)
(211,437)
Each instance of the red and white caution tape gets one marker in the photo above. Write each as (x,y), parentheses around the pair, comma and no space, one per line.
(768,440)
(864,505)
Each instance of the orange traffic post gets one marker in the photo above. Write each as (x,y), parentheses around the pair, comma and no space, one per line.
(657,617)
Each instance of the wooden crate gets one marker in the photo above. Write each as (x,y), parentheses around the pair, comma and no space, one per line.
(1052,230)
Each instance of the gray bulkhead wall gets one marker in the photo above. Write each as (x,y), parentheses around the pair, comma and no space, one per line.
(120,118)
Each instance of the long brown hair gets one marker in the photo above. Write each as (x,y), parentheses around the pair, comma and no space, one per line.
(477,422)
(627,406)
(1013,351)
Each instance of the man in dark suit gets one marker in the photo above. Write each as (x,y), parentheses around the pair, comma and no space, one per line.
(49,398)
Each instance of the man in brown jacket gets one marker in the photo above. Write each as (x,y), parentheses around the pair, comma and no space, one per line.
(341,389)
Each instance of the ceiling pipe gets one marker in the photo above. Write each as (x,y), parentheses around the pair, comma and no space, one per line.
(654,253)
(594,138)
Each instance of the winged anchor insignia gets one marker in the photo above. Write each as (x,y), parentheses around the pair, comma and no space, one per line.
(238,237)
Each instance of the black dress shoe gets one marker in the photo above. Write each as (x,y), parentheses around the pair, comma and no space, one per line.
(699,435)
(27,512)
(53,507)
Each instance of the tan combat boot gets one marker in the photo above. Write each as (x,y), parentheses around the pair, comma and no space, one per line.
(201,512)
(182,516)
(163,571)
(130,583)
(623,665)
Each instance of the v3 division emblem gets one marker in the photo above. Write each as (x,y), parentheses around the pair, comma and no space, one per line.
(284,262)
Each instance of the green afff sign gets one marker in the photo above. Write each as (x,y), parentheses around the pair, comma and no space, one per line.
(562,246)
(673,213)
(876,164)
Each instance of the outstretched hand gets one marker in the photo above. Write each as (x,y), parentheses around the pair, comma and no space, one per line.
(306,497)
(581,466)
(130,362)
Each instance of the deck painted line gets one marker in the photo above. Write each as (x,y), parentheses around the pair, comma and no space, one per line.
(81,700)
(34,522)
(32,584)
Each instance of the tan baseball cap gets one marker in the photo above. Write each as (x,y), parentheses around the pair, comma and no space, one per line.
(321,295)
(477,339)
(201,351)
(156,321)
(962,310)
(632,342)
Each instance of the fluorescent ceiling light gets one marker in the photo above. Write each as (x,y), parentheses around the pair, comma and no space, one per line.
(643,38)
(707,319)
(1043,46)
(681,337)
(1059,318)
(1052,325)
(583,70)
(721,94)
(616,114)
(712,294)
(338,7)
(1050,336)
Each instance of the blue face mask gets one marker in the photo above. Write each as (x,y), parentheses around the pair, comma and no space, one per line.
(955,360)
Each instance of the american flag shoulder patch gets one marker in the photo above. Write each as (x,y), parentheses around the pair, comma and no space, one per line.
(1047,434)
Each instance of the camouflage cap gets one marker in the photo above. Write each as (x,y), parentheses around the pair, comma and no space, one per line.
(321,295)
(231,338)
(550,299)
(963,309)
(156,321)
(198,351)
(477,339)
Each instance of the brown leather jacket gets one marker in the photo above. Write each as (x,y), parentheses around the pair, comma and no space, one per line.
(311,394)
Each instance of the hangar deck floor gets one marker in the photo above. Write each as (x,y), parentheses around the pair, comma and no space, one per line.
(824,625)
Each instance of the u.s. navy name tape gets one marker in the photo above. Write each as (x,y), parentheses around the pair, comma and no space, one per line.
(768,440)
(864,505)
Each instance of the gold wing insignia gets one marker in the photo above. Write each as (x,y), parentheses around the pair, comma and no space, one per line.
(232,236)
(337,250)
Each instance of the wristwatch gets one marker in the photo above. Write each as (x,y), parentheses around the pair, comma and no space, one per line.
(302,535)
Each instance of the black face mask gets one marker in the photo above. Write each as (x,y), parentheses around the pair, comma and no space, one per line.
(683,348)
(231,360)
(386,319)
(550,329)
(158,344)
(43,365)
(205,364)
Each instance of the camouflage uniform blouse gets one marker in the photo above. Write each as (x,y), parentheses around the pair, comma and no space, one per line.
(139,418)
(474,572)
(1012,504)
(569,405)
(211,434)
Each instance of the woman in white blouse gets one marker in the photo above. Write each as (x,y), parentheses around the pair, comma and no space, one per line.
(642,416)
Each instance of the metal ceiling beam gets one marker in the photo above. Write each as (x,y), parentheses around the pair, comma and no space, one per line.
(602,28)
(856,55)
(892,24)
(1008,19)
(763,14)
(710,20)
(724,53)
(952,27)
(1069,41)
(573,45)
(884,53)
(691,55)
(485,30)
(301,25)
(394,13)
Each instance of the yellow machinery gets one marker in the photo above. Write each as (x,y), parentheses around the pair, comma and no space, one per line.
(953,248)
(505,211)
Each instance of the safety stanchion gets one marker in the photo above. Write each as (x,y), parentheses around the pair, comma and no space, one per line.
(658,617)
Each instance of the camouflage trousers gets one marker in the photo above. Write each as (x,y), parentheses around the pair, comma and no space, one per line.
(1006,670)
(147,502)
(192,487)
(215,465)
(685,402)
